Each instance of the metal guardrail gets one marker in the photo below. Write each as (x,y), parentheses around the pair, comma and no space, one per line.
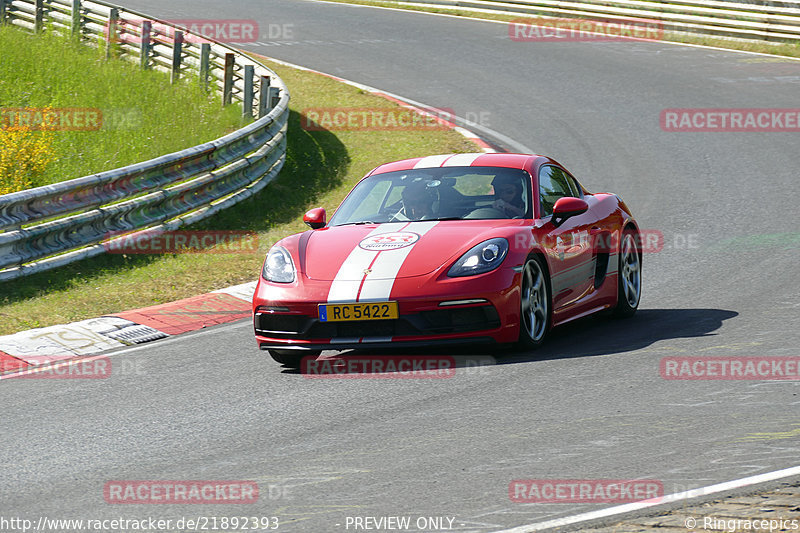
(710,17)
(57,224)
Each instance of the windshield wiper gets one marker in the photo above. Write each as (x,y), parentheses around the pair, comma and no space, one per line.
(359,223)
(363,222)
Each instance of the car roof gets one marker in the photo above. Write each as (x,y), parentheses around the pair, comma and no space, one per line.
(459,160)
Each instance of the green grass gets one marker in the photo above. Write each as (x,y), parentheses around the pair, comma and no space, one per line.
(775,48)
(145,116)
(321,167)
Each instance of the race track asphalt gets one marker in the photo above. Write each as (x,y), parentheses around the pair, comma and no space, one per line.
(589,405)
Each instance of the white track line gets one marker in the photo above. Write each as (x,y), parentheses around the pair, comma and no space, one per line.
(644,504)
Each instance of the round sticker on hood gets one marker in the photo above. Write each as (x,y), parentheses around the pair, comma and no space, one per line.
(389,241)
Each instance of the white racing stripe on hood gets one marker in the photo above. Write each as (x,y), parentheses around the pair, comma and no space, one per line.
(380,281)
(348,279)
(432,161)
(461,160)
(385,266)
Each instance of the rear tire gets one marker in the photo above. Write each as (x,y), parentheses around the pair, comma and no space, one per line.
(291,358)
(629,275)
(535,304)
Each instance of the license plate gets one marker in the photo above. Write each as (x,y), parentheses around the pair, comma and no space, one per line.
(359,311)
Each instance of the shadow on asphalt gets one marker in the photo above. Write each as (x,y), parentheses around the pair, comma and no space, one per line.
(592,336)
(586,337)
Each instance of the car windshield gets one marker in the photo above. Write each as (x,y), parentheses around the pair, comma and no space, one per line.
(446,193)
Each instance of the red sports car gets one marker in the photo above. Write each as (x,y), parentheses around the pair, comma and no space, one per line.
(464,248)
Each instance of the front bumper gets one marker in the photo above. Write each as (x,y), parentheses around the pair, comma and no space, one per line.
(284,320)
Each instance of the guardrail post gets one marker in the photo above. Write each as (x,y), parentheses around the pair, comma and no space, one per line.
(112,38)
(227,86)
(205,61)
(75,27)
(247,98)
(263,96)
(274,97)
(144,46)
(38,21)
(177,51)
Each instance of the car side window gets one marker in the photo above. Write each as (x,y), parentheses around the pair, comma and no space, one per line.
(554,184)
(573,184)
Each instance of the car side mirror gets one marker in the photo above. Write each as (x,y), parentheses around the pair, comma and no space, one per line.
(315,218)
(567,207)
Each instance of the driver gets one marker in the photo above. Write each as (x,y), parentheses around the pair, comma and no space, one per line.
(417,201)
(508,194)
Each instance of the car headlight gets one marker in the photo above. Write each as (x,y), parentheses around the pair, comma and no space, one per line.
(482,258)
(279,266)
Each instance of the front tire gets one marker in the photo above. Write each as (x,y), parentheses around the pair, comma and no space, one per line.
(535,308)
(629,276)
(291,358)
